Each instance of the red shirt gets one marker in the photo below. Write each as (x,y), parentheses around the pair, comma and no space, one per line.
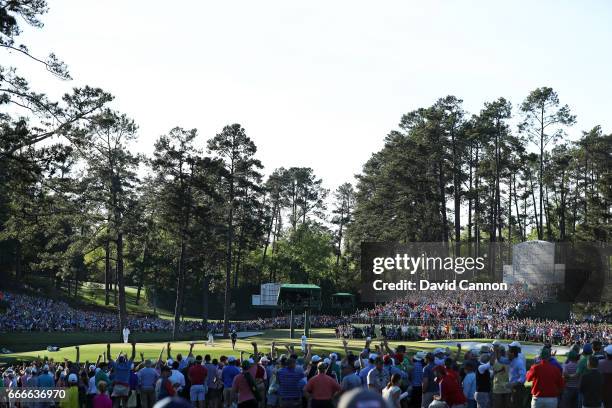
(322,387)
(546,379)
(197,374)
(450,390)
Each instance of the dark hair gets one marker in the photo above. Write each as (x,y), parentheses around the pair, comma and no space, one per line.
(207,357)
(395,378)
(593,362)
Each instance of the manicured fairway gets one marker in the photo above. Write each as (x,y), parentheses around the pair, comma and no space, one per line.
(94,344)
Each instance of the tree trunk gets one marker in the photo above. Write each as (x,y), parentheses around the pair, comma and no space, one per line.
(228,260)
(121,282)
(179,289)
(107,273)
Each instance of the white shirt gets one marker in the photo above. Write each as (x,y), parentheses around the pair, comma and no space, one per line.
(92,386)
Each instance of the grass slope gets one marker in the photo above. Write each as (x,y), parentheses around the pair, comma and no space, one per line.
(323,341)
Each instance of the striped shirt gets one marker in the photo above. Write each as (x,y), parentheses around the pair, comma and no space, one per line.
(290,382)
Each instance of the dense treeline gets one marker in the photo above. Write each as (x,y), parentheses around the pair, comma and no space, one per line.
(78,203)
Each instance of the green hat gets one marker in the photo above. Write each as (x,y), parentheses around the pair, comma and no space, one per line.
(572,355)
(246,364)
(545,352)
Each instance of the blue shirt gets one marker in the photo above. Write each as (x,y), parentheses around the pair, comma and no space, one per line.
(363,374)
(45,381)
(432,385)
(517,369)
(290,382)
(469,385)
(212,373)
(147,377)
(121,371)
(227,375)
(417,374)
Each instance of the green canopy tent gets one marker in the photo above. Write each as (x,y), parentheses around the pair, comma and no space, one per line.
(299,297)
(343,301)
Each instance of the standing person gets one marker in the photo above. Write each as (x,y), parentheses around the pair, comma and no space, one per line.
(605,368)
(164,386)
(322,388)
(484,384)
(547,382)
(121,379)
(391,393)
(469,384)
(517,371)
(304,343)
(501,379)
(228,373)
(350,379)
(450,390)
(429,386)
(197,374)
(591,385)
(102,400)
(243,386)
(234,337)
(72,393)
(416,379)
(378,377)
(570,392)
(289,380)
(147,378)
(213,387)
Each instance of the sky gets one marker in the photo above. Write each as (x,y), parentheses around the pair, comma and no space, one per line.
(321,83)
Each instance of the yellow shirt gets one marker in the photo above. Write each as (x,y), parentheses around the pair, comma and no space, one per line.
(500,378)
(72,398)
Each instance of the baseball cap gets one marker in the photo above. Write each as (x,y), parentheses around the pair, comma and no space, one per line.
(545,352)
(316,358)
(608,350)
(73,378)
(92,367)
(587,348)
(231,359)
(514,344)
(264,359)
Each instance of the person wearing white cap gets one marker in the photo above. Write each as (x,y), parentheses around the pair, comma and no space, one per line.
(72,392)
